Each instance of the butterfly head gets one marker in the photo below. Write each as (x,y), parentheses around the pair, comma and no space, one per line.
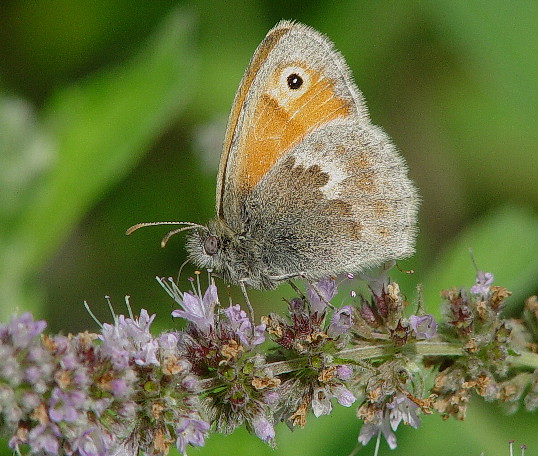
(216,247)
(205,244)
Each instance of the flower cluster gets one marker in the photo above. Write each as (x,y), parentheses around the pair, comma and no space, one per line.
(94,395)
(220,346)
(391,388)
(165,409)
(125,390)
(472,318)
(313,339)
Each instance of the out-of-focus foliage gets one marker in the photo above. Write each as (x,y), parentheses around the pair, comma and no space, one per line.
(112,112)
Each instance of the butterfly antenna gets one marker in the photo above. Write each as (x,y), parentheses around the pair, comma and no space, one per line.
(168,235)
(133,228)
(188,226)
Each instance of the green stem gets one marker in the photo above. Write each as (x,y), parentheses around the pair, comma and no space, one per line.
(384,350)
(366,352)
(528,359)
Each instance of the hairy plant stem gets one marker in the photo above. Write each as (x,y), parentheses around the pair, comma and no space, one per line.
(365,352)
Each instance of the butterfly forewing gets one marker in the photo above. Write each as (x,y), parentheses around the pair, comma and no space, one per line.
(295,83)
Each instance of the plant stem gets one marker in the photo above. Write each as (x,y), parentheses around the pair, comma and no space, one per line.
(383,350)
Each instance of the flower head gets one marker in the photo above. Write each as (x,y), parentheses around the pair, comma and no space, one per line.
(424,326)
(238,321)
(379,424)
(129,338)
(482,284)
(198,309)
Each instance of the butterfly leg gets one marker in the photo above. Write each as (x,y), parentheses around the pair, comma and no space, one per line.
(314,287)
(296,289)
(377,281)
(249,305)
(318,292)
(283,277)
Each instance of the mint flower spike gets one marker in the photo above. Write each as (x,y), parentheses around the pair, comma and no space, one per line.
(162,382)
(125,391)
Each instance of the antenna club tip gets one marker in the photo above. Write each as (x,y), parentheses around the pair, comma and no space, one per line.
(132,229)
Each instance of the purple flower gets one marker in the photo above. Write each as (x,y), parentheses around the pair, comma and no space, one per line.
(21,330)
(41,439)
(190,431)
(343,395)
(425,326)
(241,325)
(30,400)
(403,409)
(168,341)
(11,371)
(340,321)
(129,338)
(483,281)
(263,428)
(119,388)
(327,290)
(321,405)
(344,372)
(196,309)
(147,354)
(380,425)
(69,361)
(63,405)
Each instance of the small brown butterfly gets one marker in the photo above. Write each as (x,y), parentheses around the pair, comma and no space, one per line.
(307,186)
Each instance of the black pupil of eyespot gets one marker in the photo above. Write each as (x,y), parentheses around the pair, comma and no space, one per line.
(211,245)
(295,81)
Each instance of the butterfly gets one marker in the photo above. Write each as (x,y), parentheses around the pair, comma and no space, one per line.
(307,186)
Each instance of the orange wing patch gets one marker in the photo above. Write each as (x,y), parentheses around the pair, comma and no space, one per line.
(280,124)
(257,60)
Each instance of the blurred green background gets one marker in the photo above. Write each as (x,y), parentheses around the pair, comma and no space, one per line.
(113,112)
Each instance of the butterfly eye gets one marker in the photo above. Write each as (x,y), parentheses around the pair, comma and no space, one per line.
(211,245)
(294,81)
